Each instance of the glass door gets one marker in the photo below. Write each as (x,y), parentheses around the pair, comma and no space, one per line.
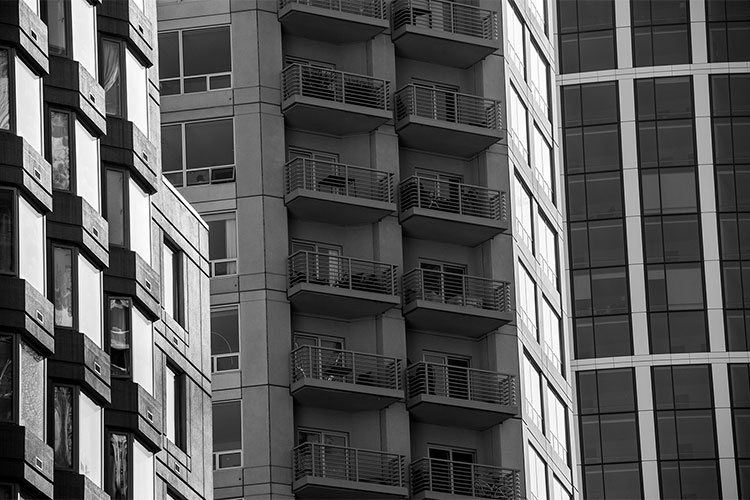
(331,458)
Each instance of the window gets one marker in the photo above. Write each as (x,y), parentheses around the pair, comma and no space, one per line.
(22,384)
(602,337)
(551,335)
(222,243)
(660,32)
(125,84)
(78,432)
(543,164)
(547,254)
(90,430)
(526,292)
(728,30)
(71,27)
(609,434)
(174,401)
(128,459)
(557,424)
(686,441)
(739,383)
(198,152)
(515,38)
(77,286)
(128,213)
(518,126)
(587,35)
(558,491)
(22,240)
(195,60)
(539,78)
(171,275)
(225,339)
(28,113)
(532,389)
(227,434)
(523,214)
(130,335)
(538,9)
(453,466)
(537,481)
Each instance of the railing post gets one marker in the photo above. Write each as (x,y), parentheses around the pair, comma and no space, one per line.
(346,180)
(354,368)
(356,464)
(420,273)
(460,199)
(349,263)
(343,87)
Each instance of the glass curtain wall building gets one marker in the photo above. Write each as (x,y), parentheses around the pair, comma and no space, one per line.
(653,105)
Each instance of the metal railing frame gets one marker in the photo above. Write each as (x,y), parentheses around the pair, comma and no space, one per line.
(461,383)
(351,464)
(350,180)
(448,106)
(448,17)
(463,199)
(335,86)
(369,8)
(473,291)
(342,272)
(463,478)
(350,367)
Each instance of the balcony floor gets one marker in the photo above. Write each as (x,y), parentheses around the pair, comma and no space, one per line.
(336,302)
(445,137)
(467,230)
(336,209)
(329,25)
(330,489)
(441,410)
(435,46)
(460,320)
(343,396)
(331,117)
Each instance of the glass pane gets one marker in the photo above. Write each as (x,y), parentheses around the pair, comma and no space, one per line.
(695,434)
(599,102)
(699,479)
(4,90)
(676,143)
(140,221)
(31,245)
(616,391)
(607,243)
(674,97)
(57,27)
(604,195)
(84,34)
(171,148)
(685,286)
(63,283)
(206,51)
(6,378)
(118,482)
(29,105)
(597,50)
(90,300)
(622,481)
(63,427)
(111,77)
(609,290)
(169,87)
(143,370)
(209,143)
(143,469)
(60,149)
(32,382)
(87,165)
(591,440)
(601,148)
(116,206)
(225,338)
(671,44)
(137,93)
(195,84)
(119,336)
(168,280)
(227,429)
(90,439)
(692,386)
(169,55)
(170,402)
(619,438)
(595,14)
(678,190)
(612,336)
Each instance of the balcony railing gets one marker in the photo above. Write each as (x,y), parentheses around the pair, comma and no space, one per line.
(457,289)
(462,478)
(368,8)
(444,105)
(446,16)
(336,86)
(342,272)
(349,464)
(346,366)
(453,197)
(336,178)
(461,383)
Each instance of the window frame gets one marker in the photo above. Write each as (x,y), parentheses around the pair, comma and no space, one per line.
(108,465)
(216,357)
(127,180)
(230,216)
(72,157)
(218,454)
(180,401)
(14,57)
(525,235)
(178,280)
(18,416)
(17,268)
(537,415)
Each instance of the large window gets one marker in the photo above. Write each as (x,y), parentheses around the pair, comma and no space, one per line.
(515,37)
(660,32)
(518,126)
(130,337)
(547,248)
(71,26)
(538,78)
(175,415)
(728,30)
(195,60)
(225,339)
(172,281)
(128,213)
(77,291)
(543,169)
(587,35)
(686,439)
(22,241)
(526,299)
(551,339)
(28,105)
(222,243)
(125,84)
(227,426)
(524,214)
(557,424)
(129,472)
(739,383)
(22,385)
(537,480)
(609,434)
(532,391)
(198,152)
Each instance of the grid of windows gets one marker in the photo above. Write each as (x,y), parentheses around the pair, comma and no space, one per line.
(728,30)
(515,36)
(739,383)
(730,110)
(660,32)
(587,35)
(596,224)
(671,222)
(609,434)
(686,442)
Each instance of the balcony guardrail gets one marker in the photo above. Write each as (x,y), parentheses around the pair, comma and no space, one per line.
(446,16)
(349,464)
(336,86)
(444,105)
(457,289)
(342,272)
(340,179)
(453,197)
(349,367)
(462,478)
(368,8)
(461,383)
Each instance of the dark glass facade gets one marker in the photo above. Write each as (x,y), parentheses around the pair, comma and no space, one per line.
(587,35)
(661,32)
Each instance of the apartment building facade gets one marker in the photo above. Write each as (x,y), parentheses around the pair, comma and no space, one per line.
(104,294)
(653,131)
(379,179)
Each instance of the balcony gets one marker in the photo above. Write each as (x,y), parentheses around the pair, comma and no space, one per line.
(335,21)
(345,380)
(444,32)
(336,193)
(446,122)
(340,287)
(452,212)
(333,102)
(432,478)
(459,396)
(455,303)
(331,472)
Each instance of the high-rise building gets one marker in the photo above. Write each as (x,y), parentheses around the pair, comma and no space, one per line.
(654,133)
(380,182)
(104,292)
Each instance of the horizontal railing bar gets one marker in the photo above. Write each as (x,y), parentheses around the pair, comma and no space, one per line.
(369,8)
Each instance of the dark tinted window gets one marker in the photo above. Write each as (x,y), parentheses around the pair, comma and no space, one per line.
(587,40)
(660,33)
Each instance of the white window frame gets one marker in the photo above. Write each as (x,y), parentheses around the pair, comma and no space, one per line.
(518,124)
(516,39)
(218,454)
(216,357)
(532,401)
(551,334)
(526,301)
(524,218)
(227,217)
(557,424)
(180,51)
(542,161)
(547,248)
(538,78)
(537,483)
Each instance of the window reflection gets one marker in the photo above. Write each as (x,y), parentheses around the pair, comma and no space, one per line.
(4,90)
(63,284)
(63,427)
(60,149)
(111,77)
(119,336)
(6,378)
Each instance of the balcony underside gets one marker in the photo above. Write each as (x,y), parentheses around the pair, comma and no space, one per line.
(343,396)
(329,488)
(336,209)
(441,410)
(447,49)
(445,137)
(331,117)
(466,321)
(467,230)
(325,300)
(439,495)
(329,25)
